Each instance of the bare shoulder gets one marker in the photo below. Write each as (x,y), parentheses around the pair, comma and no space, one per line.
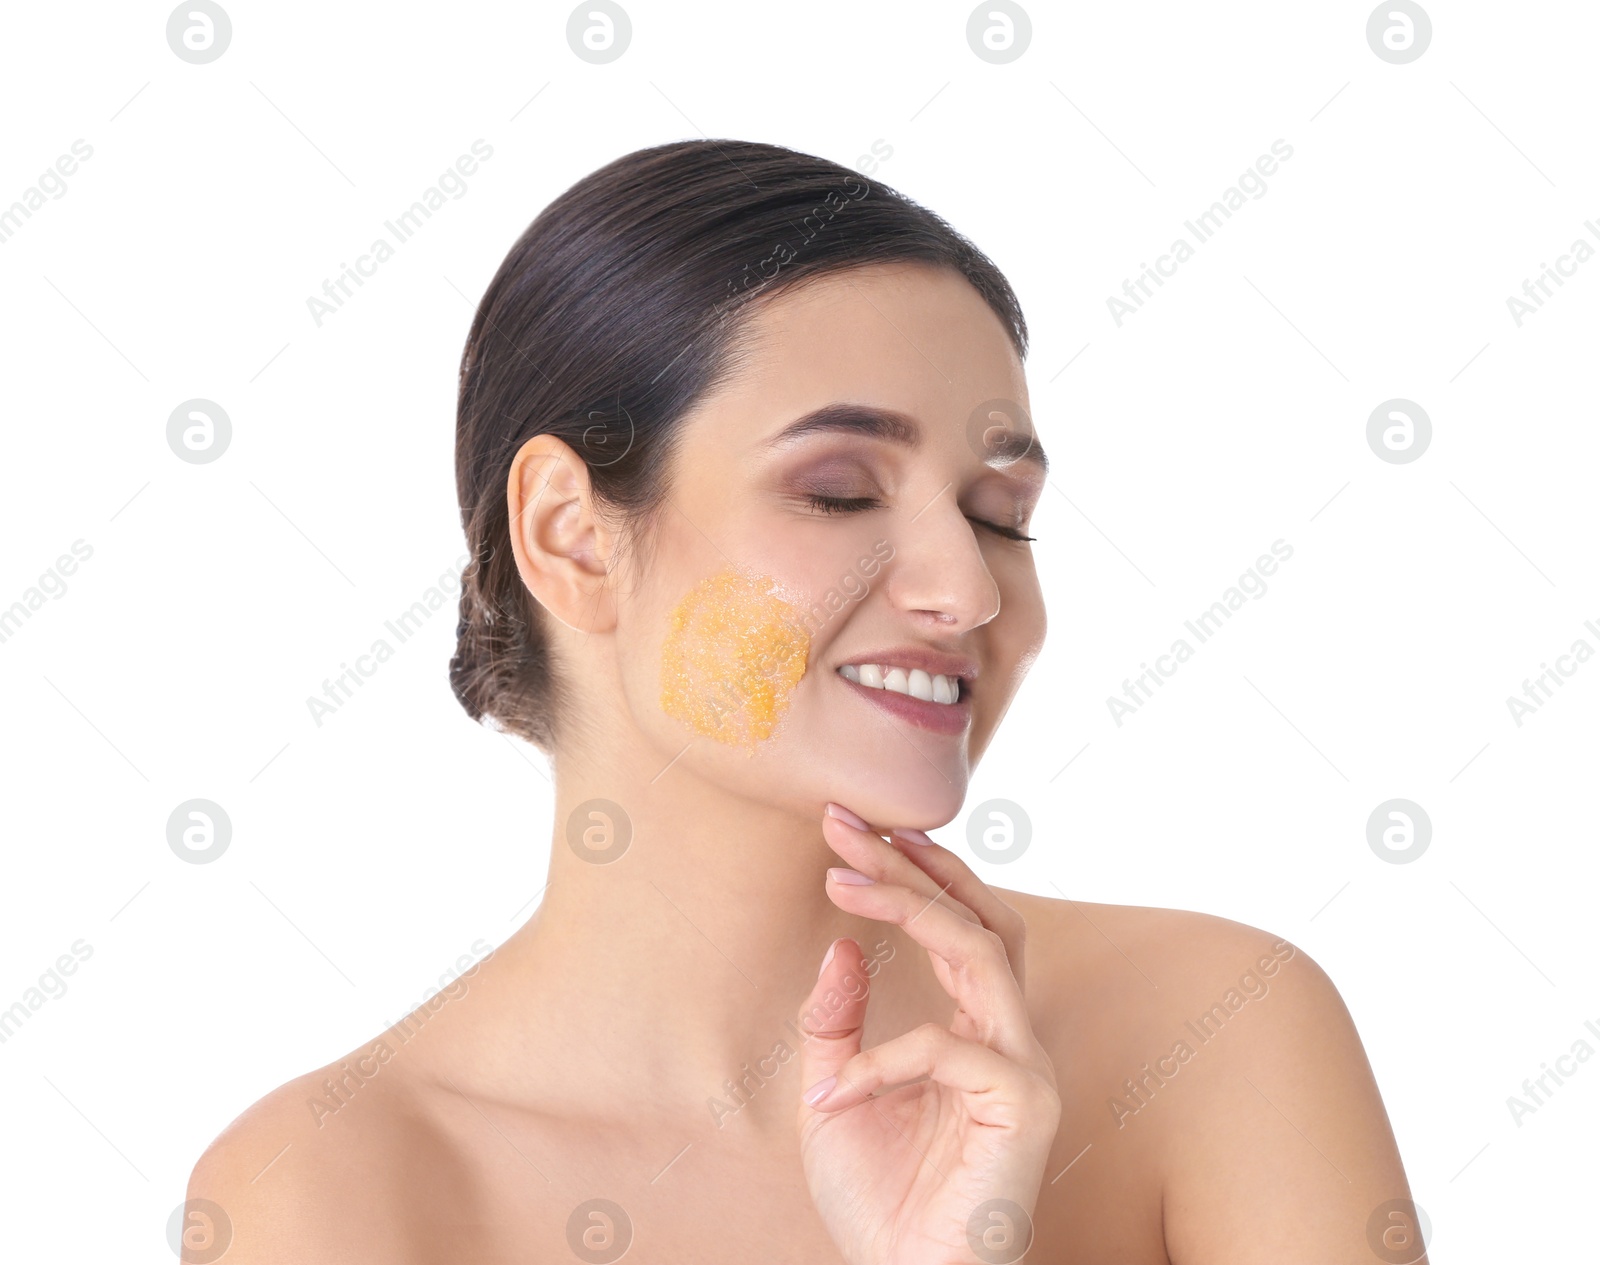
(1127,990)
(1226,1054)
(1167,981)
(1116,946)
(323,1167)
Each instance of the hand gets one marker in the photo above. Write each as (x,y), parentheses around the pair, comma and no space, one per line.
(902,1176)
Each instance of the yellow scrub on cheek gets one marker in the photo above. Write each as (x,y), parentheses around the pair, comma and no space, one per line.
(733,655)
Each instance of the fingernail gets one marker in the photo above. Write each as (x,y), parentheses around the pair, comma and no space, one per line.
(826,958)
(820,1090)
(854,877)
(915,836)
(845,815)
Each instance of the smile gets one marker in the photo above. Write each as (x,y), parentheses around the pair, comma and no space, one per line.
(937,702)
(929,687)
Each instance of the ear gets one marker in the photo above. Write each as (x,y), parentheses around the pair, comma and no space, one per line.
(561,546)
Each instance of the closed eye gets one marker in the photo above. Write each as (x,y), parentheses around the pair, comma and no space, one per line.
(855,504)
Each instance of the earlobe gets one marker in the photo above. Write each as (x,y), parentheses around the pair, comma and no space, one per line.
(560,544)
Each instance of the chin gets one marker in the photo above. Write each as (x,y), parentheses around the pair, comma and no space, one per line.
(889,792)
(921,812)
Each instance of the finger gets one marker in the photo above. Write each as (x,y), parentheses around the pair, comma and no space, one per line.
(1007,1094)
(834,1013)
(868,853)
(979,976)
(953,874)
(929,869)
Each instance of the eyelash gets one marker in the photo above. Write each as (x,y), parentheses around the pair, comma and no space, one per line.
(854,504)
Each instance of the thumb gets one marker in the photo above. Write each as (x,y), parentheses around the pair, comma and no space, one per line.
(832,1019)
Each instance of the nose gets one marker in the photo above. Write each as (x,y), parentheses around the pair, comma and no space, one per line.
(938,572)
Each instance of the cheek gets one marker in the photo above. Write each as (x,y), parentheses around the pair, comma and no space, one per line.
(733,654)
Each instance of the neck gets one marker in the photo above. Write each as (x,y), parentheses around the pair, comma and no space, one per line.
(652,978)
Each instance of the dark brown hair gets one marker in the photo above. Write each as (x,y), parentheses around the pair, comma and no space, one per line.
(609,319)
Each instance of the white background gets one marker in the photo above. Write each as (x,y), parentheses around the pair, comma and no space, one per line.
(369,853)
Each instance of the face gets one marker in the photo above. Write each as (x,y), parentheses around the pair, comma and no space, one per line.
(800,584)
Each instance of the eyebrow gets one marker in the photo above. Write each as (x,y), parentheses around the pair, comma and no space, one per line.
(893,427)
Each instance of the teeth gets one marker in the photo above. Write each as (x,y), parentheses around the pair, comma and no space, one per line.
(930,687)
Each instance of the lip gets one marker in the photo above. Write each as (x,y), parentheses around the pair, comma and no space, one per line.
(941,718)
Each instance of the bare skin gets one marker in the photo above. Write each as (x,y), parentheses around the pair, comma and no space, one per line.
(587,1057)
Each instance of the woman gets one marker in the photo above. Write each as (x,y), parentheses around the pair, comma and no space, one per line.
(746,470)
